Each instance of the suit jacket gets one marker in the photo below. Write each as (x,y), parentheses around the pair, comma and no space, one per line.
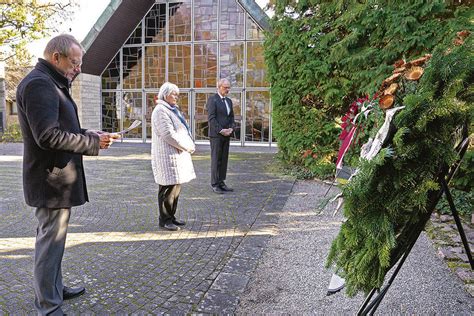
(217,115)
(53,140)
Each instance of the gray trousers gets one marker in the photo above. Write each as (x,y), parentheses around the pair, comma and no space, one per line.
(49,250)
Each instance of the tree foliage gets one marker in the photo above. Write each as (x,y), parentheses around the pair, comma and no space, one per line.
(23,21)
(322,55)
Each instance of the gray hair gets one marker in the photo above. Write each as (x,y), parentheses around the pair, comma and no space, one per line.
(61,44)
(221,81)
(166,89)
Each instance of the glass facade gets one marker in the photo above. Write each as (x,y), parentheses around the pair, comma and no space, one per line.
(191,43)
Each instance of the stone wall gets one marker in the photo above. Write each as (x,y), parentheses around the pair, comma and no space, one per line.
(3,96)
(86,94)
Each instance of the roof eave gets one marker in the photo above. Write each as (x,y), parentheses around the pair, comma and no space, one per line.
(257,13)
(100,23)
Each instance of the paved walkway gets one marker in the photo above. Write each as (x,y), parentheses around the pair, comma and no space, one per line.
(291,279)
(262,246)
(116,249)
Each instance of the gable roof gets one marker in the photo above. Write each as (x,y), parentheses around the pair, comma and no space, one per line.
(111,30)
(119,20)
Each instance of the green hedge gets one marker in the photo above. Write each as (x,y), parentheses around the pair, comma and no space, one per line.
(322,55)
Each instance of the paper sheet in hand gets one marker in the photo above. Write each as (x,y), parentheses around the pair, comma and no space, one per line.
(134,125)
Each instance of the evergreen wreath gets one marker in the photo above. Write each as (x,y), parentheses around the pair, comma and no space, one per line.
(389,194)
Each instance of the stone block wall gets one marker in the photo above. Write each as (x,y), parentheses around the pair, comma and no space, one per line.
(86,94)
(3,109)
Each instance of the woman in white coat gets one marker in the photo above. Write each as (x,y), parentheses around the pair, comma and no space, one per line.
(171,150)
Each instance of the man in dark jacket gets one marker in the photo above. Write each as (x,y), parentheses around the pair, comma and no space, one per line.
(53,174)
(221,126)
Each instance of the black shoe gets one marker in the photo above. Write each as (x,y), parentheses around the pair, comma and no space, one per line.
(72,292)
(226,188)
(217,190)
(178,222)
(170,226)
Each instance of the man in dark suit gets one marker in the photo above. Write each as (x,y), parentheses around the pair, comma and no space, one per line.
(221,126)
(53,174)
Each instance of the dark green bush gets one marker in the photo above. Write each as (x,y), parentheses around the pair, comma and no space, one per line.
(464,202)
(464,179)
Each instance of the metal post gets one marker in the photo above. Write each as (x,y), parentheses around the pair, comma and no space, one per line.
(455,213)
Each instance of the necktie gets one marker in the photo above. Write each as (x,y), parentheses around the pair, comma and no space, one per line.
(226,106)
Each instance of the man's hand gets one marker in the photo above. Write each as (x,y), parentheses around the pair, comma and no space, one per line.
(226,131)
(106,139)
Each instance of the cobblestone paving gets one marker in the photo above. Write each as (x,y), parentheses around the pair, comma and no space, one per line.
(116,249)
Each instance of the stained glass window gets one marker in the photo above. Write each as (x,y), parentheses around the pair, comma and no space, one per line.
(111,75)
(155,66)
(132,110)
(256,70)
(132,67)
(231,21)
(155,24)
(179,65)
(205,20)
(253,31)
(205,65)
(257,125)
(232,62)
(111,112)
(136,36)
(200,116)
(192,51)
(180,22)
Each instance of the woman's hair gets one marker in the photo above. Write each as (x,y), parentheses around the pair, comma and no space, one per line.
(166,89)
(61,44)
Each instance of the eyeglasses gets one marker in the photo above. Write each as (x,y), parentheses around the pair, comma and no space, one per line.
(74,63)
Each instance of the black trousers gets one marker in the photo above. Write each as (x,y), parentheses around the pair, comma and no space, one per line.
(219,158)
(168,201)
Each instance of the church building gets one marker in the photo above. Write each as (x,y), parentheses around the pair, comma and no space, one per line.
(137,45)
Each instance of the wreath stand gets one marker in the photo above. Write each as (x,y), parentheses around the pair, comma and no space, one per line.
(369,307)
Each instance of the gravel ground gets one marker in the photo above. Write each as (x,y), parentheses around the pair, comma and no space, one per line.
(291,279)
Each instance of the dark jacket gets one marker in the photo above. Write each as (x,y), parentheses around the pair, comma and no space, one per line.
(53,174)
(217,115)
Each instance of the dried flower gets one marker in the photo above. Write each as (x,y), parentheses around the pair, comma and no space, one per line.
(415,73)
(399,69)
(386,101)
(399,63)
(463,34)
(419,61)
(391,90)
